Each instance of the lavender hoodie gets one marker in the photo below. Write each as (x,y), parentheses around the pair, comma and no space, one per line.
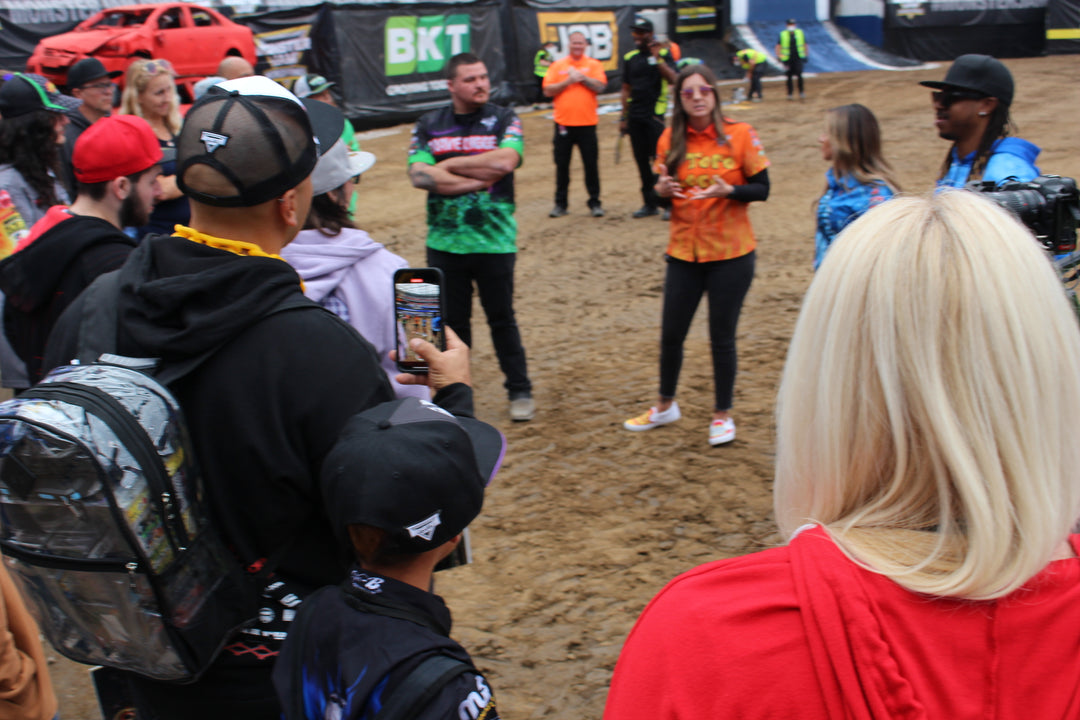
(352,275)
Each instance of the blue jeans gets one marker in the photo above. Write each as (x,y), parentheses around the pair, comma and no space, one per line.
(494,278)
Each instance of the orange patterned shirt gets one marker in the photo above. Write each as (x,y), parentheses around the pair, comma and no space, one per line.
(716,228)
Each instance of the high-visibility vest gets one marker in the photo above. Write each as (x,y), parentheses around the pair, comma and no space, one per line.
(750,55)
(538,69)
(785,44)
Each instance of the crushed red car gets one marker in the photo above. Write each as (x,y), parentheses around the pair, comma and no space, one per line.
(193,38)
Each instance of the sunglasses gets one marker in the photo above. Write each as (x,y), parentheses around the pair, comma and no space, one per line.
(104,85)
(945,98)
(691,93)
(153,67)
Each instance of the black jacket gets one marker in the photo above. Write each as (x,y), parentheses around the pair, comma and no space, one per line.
(77,123)
(263,411)
(355,659)
(42,279)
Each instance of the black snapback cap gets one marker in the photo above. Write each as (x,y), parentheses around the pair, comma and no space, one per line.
(245,142)
(411,469)
(977,73)
(87,70)
(642,23)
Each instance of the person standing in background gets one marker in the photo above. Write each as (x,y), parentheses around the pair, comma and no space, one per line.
(791,50)
(150,93)
(541,62)
(646,72)
(573,83)
(859,177)
(89,81)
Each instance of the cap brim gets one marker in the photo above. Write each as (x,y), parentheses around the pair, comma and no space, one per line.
(939,85)
(360,161)
(489,446)
(326,121)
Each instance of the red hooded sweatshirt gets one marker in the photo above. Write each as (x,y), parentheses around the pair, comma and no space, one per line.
(801,632)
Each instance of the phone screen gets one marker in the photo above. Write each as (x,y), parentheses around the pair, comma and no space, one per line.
(417,313)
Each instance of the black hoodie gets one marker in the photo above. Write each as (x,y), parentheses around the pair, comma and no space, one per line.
(46,276)
(263,411)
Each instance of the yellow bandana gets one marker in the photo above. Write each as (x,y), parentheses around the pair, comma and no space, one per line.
(234,246)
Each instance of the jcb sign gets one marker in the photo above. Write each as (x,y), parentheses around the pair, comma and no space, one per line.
(600,28)
(424,44)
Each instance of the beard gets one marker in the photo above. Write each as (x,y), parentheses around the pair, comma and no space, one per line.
(133,213)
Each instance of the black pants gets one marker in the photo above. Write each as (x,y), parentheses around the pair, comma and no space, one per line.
(644,134)
(494,278)
(794,70)
(565,140)
(755,79)
(726,282)
(540,90)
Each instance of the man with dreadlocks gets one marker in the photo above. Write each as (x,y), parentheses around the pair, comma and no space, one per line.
(971,108)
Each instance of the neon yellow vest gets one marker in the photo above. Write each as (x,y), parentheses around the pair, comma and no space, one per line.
(785,44)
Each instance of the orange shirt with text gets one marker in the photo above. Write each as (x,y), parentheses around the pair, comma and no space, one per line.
(715,228)
(576,105)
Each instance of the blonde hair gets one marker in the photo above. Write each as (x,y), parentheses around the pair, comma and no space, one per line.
(926,415)
(855,136)
(139,74)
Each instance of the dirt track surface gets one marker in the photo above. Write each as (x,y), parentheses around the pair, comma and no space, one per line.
(586,522)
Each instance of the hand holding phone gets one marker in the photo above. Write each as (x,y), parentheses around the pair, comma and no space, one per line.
(418,313)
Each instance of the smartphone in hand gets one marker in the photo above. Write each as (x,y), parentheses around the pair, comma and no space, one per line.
(418,312)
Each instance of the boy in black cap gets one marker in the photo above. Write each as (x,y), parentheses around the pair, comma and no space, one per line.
(402,483)
(971,108)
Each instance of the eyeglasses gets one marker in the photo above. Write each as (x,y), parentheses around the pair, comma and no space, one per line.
(153,67)
(945,98)
(105,85)
(691,93)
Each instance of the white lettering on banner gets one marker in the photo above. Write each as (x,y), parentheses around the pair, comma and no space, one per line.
(412,88)
(399,46)
(976,5)
(601,46)
(457,35)
(427,39)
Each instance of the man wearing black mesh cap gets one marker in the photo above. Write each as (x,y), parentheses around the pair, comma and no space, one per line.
(272,388)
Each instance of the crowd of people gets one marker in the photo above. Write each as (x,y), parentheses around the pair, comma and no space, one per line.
(921,501)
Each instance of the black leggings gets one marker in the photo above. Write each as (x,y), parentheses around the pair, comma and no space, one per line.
(726,281)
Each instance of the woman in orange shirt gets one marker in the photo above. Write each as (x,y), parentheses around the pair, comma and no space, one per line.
(711,167)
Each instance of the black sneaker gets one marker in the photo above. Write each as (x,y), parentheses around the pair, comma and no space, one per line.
(645,211)
(557,211)
(597,211)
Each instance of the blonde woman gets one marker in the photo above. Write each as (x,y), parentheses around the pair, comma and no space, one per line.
(150,92)
(926,483)
(859,178)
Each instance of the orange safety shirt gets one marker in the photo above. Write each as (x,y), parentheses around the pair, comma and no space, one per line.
(576,105)
(714,228)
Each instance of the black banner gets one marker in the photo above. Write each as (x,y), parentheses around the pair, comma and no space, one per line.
(291,43)
(1063,26)
(392,59)
(25,22)
(961,13)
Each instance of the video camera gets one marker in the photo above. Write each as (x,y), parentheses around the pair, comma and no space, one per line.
(1049,206)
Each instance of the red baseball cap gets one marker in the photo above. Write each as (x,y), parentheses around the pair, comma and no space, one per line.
(115,146)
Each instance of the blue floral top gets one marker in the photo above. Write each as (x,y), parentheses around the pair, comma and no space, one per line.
(844,200)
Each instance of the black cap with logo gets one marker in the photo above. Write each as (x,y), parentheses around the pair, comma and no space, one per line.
(412,469)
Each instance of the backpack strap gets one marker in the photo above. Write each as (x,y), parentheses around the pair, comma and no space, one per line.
(421,686)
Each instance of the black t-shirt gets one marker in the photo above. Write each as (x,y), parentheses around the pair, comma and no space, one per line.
(648,88)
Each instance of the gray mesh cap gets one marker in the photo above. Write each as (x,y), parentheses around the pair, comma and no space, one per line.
(245,142)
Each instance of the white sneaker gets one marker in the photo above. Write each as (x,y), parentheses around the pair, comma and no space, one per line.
(721,432)
(522,409)
(653,418)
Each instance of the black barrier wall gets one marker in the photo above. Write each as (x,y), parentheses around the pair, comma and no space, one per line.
(945,29)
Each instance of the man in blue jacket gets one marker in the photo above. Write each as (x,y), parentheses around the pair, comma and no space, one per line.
(971,108)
